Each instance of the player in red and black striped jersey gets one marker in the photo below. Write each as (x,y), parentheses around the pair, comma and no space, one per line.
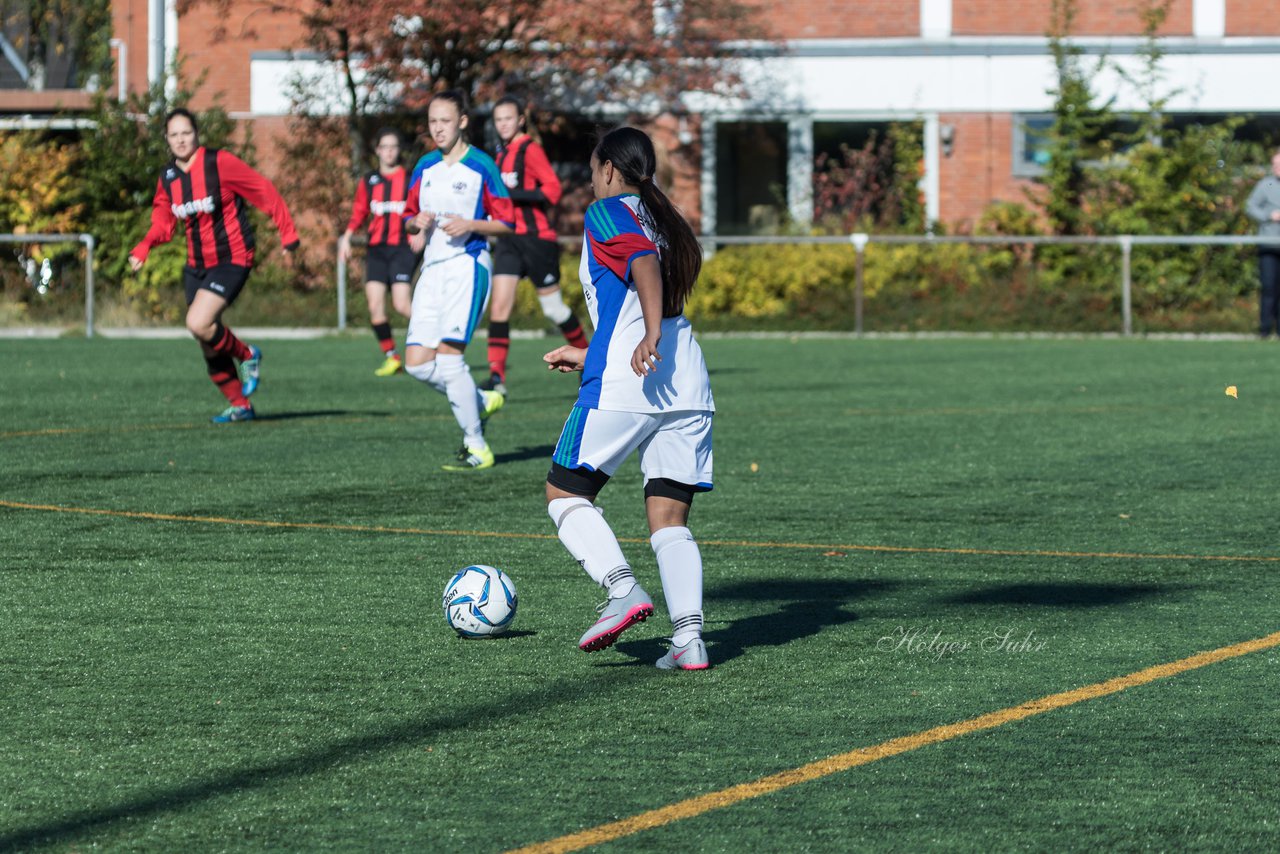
(206,189)
(389,262)
(532,252)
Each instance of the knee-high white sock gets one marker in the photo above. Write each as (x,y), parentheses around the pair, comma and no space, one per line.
(463,396)
(554,308)
(427,373)
(592,543)
(680,565)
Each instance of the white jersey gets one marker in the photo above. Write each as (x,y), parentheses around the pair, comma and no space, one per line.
(618,232)
(470,188)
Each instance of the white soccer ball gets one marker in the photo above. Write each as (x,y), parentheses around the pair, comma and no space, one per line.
(479,602)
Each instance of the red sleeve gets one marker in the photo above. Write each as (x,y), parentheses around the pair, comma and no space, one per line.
(617,253)
(412,204)
(497,204)
(359,210)
(616,237)
(259,192)
(538,167)
(163,223)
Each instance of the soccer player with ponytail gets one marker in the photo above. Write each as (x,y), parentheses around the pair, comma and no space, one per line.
(207,189)
(644,388)
(532,252)
(456,202)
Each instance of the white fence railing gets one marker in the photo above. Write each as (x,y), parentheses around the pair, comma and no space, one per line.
(1125,242)
(858,241)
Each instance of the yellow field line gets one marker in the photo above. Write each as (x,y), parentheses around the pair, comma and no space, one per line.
(865,755)
(853,412)
(265,523)
(751,544)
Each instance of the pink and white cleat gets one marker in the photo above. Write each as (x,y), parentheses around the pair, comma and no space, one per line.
(616,616)
(691,656)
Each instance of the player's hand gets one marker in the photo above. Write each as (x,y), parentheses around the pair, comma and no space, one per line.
(646,357)
(417,242)
(134,264)
(344,248)
(289,261)
(565,359)
(1275,216)
(456,226)
(422,222)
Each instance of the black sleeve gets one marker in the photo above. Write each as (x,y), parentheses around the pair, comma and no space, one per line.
(529,197)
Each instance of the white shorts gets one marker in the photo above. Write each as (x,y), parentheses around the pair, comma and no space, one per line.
(448,300)
(672,445)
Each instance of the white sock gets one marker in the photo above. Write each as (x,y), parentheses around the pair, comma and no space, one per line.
(592,543)
(680,565)
(427,373)
(553,306)
(463,396)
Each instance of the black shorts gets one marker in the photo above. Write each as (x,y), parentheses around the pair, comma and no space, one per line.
(391,265)
(225,280)
(527,256)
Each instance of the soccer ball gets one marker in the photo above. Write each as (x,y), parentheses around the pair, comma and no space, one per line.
(479,602)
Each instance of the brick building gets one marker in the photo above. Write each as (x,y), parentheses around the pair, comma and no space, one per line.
(973,73)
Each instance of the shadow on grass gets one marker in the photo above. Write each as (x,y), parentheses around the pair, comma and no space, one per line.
(320,413)
(216,783)
(799,609)
(1064,595)
(529,452)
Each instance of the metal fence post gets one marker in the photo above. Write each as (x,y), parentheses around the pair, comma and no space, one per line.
(342,292)
(88,241)
(1126,282)
(859,241)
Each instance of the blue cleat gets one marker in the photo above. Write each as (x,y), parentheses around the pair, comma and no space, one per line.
(249,370)
(232,414)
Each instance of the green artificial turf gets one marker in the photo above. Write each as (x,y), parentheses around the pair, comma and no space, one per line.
(218,682)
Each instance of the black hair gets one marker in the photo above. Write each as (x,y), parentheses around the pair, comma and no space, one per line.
(389,131)
(185,113)
(631,153)
(513,101)
(457,96)
(458,99)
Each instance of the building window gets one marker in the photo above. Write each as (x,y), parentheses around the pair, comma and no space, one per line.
(1031,144)
(751,177)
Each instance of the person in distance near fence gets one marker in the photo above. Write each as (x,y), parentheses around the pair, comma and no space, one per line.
(206,189)
(1263,208)
(389,261)
(532,252)
(456,200)
(644,389)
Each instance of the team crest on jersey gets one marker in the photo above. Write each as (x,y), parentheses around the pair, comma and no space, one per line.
(459,186)
(375,179)
(169,173)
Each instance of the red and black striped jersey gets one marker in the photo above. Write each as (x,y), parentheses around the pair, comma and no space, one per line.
(533,184)
(383,197)
(209,201)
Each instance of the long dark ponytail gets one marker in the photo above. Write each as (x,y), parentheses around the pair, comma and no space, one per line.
(631,153)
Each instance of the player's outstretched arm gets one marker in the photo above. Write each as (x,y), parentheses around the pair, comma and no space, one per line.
(163,225)
(565,359)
